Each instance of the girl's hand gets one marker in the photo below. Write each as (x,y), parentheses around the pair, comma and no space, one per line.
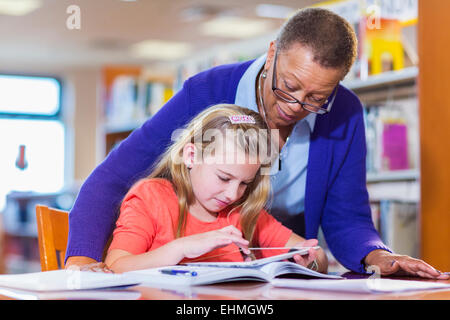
(198,244)
(317,255)
(308,259)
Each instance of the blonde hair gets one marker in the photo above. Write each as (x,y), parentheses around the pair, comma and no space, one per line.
(170,166)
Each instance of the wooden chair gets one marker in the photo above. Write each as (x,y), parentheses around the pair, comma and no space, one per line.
(2,246)
(53,231)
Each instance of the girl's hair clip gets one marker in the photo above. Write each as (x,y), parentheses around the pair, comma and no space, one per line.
(236,119)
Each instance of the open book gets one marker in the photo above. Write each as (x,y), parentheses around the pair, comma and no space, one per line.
(202,273)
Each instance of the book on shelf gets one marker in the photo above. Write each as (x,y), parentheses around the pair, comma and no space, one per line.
(122,99)
(157,95)
(132,100)
(202,273)
(400,191)
(397,224)
(375,211)
(392,136)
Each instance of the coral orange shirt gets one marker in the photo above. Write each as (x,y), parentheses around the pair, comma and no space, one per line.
(149,216)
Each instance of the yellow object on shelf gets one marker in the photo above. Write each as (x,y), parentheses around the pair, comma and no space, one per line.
(384,46)
(167,94)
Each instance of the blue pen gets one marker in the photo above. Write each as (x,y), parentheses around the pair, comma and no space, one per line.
(175,272)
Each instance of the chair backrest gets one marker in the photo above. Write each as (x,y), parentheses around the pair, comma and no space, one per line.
(53,231)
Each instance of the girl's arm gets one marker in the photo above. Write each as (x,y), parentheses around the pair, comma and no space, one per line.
(173,252)
(120,260)
(313,254)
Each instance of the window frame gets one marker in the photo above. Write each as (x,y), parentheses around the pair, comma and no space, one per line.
(55,116)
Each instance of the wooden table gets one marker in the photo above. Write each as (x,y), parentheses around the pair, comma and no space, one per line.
(251,290)
(248,290)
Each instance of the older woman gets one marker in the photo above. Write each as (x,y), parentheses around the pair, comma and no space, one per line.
(321,174)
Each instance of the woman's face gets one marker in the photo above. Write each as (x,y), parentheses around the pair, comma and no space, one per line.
(219,181)
(299,75)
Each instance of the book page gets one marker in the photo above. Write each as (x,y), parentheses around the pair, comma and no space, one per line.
(275,269)
(182,275)
(360,285)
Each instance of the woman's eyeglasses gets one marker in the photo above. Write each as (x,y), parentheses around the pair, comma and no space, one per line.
(319,108)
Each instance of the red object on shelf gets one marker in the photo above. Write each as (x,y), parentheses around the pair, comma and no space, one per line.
(21,162)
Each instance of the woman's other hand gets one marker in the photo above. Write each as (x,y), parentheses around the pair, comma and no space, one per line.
(86,264)
(386,263)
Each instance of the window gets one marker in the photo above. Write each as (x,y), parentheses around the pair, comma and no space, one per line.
(21,95)
(30,124)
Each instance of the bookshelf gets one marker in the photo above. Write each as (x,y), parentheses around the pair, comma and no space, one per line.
(384,79)
(116,132)
(385,90)
(131,95)
(390,100)
(391,176)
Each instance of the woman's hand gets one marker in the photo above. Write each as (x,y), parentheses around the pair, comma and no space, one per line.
(386,263)
(198,244)
(86,264)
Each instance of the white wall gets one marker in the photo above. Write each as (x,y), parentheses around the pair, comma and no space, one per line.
(83,118)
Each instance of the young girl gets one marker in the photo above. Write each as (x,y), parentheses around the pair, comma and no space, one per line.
(205,199)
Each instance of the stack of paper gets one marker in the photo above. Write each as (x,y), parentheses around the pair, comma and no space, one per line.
(360,285)
(65,280)
(100,294)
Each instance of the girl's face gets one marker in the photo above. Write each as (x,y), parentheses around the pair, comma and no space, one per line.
(216,182)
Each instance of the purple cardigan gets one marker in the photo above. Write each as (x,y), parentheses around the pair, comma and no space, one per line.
(336,195)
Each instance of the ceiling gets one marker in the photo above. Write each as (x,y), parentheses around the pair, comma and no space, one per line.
(108,28)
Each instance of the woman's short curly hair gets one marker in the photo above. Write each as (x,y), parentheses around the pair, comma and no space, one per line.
(330,37)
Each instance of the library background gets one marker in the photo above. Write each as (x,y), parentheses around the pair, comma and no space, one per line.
(77,78)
